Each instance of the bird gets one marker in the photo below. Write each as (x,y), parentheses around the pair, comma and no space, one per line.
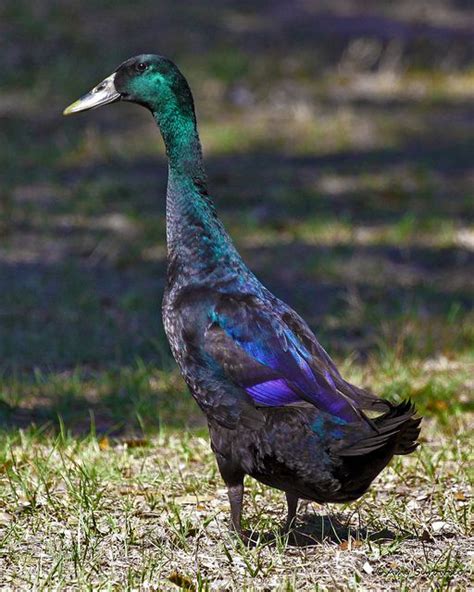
(277,407)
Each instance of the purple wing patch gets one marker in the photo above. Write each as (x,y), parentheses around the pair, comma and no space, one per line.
(273,392)
(295,375)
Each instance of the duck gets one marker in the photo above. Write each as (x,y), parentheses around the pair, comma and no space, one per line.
(277,407)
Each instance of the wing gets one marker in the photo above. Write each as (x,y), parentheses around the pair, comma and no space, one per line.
(224,401)
(272,359)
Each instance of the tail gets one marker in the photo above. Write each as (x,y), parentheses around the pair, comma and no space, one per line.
(409,430)
(395,432)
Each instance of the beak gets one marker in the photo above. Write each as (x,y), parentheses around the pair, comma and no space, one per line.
(102,94)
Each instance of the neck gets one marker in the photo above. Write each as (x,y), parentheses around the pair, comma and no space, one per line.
(183,147)
(198,245)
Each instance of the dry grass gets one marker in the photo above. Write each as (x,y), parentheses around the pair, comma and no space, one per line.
(104,514)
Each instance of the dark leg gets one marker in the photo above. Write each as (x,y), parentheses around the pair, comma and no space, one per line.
(236,496)
(292,501)
(221,443)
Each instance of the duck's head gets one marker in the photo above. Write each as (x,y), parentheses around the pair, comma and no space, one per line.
(149,80)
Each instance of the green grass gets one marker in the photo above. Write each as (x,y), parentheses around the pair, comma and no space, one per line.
(343,170)
(112,514)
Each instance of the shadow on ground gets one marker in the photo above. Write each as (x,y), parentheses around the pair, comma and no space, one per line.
(313,530)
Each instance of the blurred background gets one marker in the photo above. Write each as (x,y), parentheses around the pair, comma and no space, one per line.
(338,138)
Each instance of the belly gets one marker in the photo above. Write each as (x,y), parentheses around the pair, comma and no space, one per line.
(283,454)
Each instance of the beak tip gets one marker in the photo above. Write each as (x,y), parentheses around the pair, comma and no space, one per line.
(69,110)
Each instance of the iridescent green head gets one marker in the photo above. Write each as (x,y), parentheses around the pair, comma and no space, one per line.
(149,80)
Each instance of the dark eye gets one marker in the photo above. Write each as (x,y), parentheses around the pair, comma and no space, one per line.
(141,67)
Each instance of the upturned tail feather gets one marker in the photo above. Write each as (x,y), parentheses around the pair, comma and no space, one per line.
(362,460)
(398,429)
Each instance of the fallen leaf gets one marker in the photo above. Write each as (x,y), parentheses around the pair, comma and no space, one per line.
(181,581)
(368,568)
(144,514)
(6,466)
(136,442)
(5,518)
(422,497)
(23,506)
(438,405)
(351,544)
(438,525)
(188,500)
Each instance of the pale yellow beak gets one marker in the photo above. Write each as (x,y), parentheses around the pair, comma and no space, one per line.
(102,94)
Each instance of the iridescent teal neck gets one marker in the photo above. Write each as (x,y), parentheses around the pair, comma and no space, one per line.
(183,147)
(198,245)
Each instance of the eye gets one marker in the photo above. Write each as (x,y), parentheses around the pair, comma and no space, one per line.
(141,67)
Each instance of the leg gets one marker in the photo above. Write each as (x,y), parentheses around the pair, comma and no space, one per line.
(236,496)
(231,472)
(292,501)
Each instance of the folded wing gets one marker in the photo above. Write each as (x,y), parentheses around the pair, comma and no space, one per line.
(266,356)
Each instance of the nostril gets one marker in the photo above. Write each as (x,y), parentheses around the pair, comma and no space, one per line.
(100,87)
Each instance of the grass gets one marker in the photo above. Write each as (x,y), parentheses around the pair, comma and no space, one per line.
(341,164)
(96,512)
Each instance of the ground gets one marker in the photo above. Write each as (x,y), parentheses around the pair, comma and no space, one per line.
(338,143)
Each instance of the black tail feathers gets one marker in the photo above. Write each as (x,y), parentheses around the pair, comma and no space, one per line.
(409,429)
(396,430)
